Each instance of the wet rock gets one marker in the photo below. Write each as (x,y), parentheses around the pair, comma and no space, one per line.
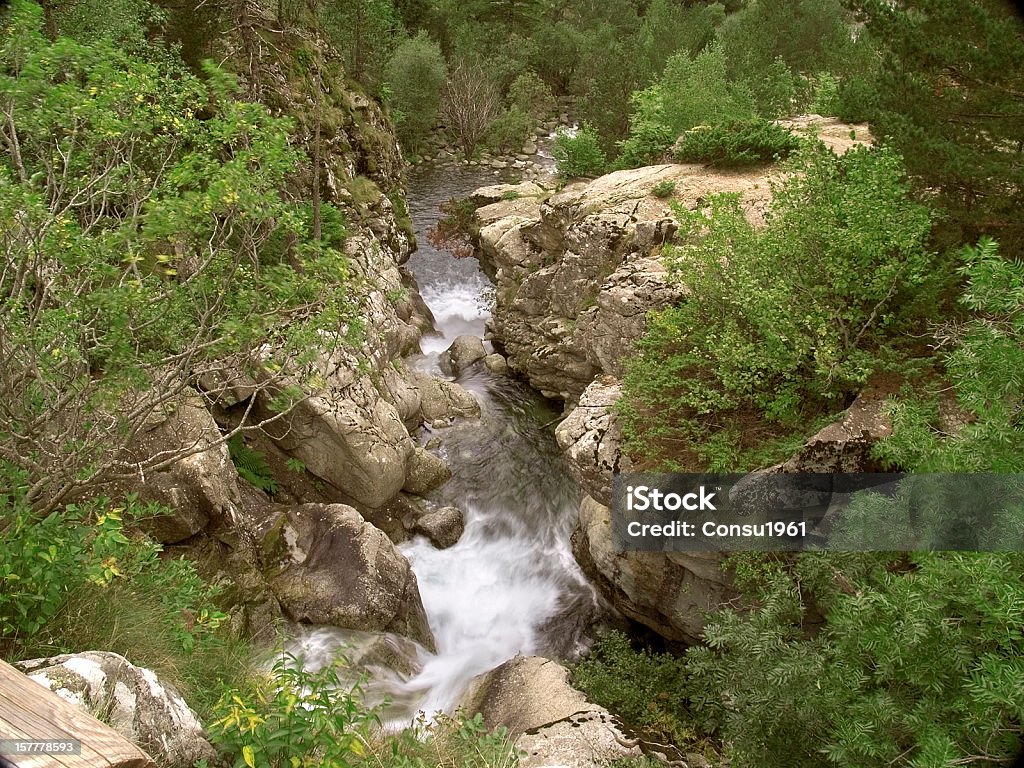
(551,722)
(443,527)
(199,488)
(441,400)
(132,700)
(529,148)
(327,565)
(426,472)
(496,363)
(463,352)
(670,592)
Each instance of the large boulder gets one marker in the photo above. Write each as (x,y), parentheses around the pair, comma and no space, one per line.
(132,700)
(441,400)
(670,592)
(550,721)
(327,565)
(200,487)
(463,352)
(348,435)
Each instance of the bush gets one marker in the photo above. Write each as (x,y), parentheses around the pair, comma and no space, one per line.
(579,155)
(415,75)
(510,131)
(664,189)
(645,689)
(529,94)
(785,321)
(919,663)
(738,144)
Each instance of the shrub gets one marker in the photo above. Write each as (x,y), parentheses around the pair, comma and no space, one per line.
(531,95)
(579,155)
(663,189)
(731,145)
(510,131)
(785,321)
(415,75)
(644,688)
(470,104)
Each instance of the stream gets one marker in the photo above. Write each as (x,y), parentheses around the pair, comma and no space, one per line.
(511,584)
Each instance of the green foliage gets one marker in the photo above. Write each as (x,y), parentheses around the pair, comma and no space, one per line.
(294,717)
(645,689)
(984,361)
(364,31)
(780,323)
(529,94)
(946,93)
(252,465)
(579,155)
(149,244)
(918,663)
(122,22)
(738,144)
(510,130)
(415,74)
(664,189)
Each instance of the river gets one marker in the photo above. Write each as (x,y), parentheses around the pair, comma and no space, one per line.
(510,585)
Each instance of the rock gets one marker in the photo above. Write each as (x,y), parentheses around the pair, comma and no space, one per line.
(548,719)
(440,399)
(199,488)
(529,148)
(426,472)
(505,192)
(670,592)
(590,437)
(463,352)
(327,565)
(132,700)
(496,363)
(348,435)
(443,527)
(845,445)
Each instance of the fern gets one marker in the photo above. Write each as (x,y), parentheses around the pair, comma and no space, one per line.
(252,465)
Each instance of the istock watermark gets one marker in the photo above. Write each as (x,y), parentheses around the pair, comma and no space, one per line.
(807,511)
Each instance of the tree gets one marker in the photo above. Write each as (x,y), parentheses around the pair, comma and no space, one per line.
(415,75)
(469,105)
(141,251)
(948,93)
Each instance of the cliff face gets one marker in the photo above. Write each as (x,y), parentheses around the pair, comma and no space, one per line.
(577,272)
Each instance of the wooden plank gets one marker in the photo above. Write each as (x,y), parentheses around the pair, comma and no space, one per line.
(29,710)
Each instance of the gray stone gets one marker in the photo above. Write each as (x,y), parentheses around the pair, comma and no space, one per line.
(496,363)
(529,148)
(551,722)
(132,700)
(443,527)
(441,400)
(463,352)
(426,472)
(327,565)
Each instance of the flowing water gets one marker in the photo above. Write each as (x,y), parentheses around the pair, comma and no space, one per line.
(510,585)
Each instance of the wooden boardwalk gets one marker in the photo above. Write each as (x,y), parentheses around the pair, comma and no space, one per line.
(30,711)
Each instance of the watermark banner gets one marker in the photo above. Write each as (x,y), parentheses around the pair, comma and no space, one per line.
(810,511)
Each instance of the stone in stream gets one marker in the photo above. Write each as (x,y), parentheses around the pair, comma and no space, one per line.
(443,527)
(496,363)
(441,400)
(326,565)
(426,472)
(132,700)
(463,352)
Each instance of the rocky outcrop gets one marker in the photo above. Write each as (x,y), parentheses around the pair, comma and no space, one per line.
(576,272)
(326,565)
(550,721)
(590,438)
(670,592)
(132,700)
